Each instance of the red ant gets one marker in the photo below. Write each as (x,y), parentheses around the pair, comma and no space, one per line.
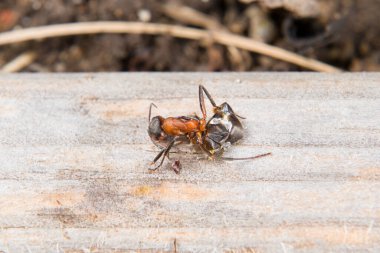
(223,129)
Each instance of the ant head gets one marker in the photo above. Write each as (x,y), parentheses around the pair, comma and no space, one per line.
(157,134)
(155,131)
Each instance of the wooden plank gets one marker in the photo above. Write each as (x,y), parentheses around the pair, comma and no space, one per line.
(74,154)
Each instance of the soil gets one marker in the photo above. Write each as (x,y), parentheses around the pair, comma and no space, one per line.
(345,34)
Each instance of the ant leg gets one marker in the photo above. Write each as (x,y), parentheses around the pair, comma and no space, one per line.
(202,88)
(150,110)
(202,121)
(158,156)
(163,153)
(202,102)
(208,153)
(175,144)
(239,116)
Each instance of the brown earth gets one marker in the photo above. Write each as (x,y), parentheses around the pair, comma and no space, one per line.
(344,33)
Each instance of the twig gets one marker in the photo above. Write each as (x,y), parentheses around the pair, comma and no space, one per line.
(223,38)
(18,63)
(175,245)
(191,16)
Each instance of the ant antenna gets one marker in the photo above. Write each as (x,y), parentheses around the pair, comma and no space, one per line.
(240,116)
(150,110)
(245,158)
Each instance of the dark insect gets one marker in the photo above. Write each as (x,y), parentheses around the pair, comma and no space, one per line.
(221,131)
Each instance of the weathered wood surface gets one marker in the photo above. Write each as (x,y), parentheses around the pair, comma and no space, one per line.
(74,155)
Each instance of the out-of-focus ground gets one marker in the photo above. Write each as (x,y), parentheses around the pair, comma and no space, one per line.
(343,33)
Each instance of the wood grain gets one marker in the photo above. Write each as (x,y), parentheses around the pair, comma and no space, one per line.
(74,154)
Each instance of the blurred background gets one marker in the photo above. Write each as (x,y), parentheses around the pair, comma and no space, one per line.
(342,33)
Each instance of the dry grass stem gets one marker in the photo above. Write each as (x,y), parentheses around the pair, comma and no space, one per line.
(18,63)
(224,38)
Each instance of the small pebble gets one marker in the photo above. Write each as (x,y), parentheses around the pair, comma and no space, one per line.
(144,15)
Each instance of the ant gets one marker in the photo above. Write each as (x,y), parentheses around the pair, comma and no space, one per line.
(223,129)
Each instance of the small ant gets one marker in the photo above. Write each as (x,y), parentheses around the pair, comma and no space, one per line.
(223,129)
